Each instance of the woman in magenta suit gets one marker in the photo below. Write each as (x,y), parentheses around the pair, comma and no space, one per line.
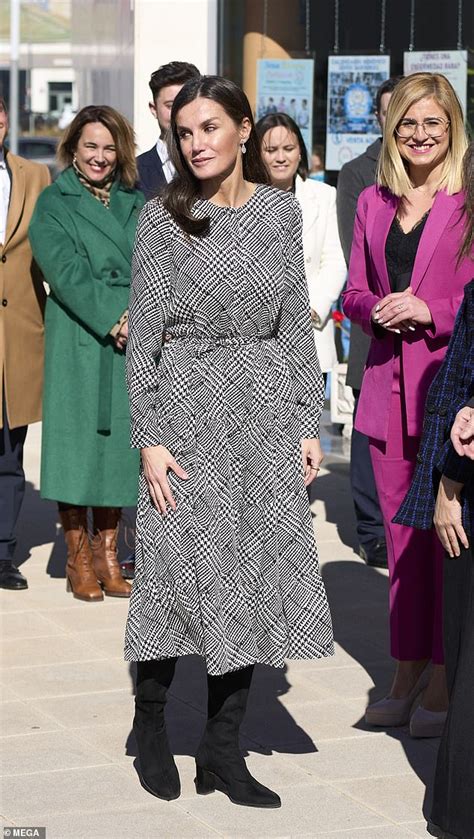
(405,286)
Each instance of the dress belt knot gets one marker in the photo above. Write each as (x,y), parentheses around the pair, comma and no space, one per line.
(204,344)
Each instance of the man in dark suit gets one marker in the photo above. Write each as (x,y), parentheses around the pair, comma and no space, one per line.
(155,169)
(354,177)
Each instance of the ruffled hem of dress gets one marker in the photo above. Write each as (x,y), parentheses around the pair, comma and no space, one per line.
(277,662)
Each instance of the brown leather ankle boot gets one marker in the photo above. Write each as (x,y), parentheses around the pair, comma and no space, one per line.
(104,552)
(81,578)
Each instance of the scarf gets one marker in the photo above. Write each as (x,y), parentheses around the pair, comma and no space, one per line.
(99,189)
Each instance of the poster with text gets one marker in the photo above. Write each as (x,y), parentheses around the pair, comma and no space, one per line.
(450,63)
(351,122)
(286,86)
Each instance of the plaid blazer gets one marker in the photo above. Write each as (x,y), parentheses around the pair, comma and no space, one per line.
(450,390)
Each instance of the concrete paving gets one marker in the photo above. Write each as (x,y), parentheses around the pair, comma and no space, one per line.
(68,754)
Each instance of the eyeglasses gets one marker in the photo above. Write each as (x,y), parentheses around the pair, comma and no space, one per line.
(434,127)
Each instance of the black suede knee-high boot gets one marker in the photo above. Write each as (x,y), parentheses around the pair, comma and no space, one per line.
(158,771)
(219,763)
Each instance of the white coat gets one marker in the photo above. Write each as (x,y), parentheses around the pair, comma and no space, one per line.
(324,260)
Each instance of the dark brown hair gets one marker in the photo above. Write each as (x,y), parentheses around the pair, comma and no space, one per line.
(184,189)
(119,127)
(176,72)
(272,121)
(468,184)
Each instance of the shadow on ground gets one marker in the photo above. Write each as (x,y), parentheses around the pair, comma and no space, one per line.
(36,524)
(358,596)
(268,725)
(333,489)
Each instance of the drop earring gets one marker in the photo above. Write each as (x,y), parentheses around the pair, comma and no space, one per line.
(242,147)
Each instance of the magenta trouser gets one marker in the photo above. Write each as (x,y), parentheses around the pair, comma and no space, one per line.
(415,557)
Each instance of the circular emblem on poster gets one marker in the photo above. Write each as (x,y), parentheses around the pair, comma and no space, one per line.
(357,106)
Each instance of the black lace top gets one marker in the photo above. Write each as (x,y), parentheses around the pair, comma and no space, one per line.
(400,252)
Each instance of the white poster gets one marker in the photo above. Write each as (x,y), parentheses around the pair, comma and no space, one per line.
(351,122)
(286,86)
(450,63)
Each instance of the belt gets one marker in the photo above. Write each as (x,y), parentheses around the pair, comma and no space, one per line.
(202,345)
(106,371)
(217,340)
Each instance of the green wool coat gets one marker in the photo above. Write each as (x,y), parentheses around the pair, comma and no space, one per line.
(84,251)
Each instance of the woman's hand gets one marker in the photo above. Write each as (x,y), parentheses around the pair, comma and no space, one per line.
(462,432)
(401,311)
(312,455)
(156,461)
(121,337)
(447,517)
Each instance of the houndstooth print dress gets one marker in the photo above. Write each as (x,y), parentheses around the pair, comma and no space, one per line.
(222,370)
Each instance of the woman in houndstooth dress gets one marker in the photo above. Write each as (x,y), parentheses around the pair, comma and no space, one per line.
(226,395)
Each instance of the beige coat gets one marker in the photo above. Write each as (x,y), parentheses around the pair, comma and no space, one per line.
(22,299)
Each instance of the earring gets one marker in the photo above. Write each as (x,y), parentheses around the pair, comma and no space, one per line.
(74,159)
(242,147)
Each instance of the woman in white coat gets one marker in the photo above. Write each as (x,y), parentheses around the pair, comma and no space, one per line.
(285,157)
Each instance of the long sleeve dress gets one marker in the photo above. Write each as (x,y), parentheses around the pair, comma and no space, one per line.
(222,370)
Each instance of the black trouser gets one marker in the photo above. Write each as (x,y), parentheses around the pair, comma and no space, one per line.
(12,483)
(364,492)
(453,799)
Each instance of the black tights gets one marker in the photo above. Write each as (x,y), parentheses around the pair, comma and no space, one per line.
(219,687)
(162,671)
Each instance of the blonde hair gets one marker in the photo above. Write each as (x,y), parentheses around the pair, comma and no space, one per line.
(392,171)
(122,133)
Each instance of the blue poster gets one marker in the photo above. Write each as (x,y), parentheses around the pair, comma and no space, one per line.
(286,86)
(351,121)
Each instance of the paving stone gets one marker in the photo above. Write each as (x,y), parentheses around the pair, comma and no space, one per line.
(400,801)
(305,809)
(380,832)
(28,799)
(352,682)
(69,678)
(163,821)
(374,755)
(417,828)
(26,624)
(42,751)
(88,709)
(46,650)
(18,717)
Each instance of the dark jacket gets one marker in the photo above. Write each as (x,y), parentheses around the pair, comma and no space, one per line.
(451,389)
(354,177)
(151,178)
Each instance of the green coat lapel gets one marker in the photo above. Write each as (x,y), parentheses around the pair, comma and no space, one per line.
(111,222)
(123,202)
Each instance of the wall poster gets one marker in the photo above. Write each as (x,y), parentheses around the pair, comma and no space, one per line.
(450,63)
(286,86)
(351,122)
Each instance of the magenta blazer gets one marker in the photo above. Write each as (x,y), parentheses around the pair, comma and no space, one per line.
(436,279)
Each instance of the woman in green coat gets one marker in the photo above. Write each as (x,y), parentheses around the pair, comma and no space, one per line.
(82,233)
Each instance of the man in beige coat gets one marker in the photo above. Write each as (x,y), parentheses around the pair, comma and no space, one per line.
(22,299)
